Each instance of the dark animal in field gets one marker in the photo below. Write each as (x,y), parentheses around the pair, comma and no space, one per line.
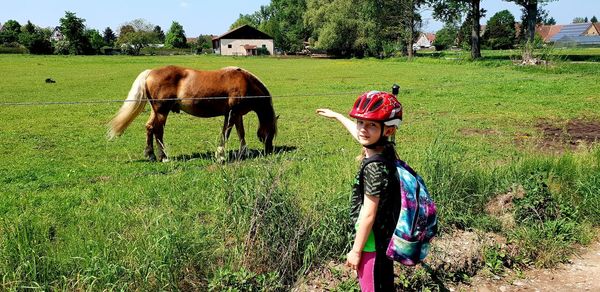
(50,80)
(230,92)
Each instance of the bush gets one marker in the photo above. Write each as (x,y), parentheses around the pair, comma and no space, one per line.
(62,47)
(11,49)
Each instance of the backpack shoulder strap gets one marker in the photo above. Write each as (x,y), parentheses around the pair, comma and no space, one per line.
(407,167)
(376,158)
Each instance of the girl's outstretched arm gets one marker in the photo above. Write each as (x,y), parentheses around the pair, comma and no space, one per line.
(348,123)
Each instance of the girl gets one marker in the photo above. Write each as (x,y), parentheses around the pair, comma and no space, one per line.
(375,202)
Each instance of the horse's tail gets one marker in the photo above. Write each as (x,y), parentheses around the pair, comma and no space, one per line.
(133,106)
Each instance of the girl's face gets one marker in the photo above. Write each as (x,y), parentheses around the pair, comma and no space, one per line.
(368,131)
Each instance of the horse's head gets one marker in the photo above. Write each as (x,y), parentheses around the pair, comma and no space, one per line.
(267,131)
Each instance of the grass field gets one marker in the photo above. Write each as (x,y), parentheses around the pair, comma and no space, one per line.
(80,212)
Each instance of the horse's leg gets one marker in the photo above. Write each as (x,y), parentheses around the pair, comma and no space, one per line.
(239,127)
(159,130)
(149,151)
(227,125)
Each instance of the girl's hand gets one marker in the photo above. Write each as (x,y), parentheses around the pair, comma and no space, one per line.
(352,259)
(326,112)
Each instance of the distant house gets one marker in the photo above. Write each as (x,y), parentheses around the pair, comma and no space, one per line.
(425,40)
(243,41)
(56,35)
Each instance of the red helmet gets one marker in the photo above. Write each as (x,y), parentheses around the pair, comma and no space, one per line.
(377,106)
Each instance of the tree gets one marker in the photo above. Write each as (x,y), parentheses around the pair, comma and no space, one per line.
(245,19)
(29,27)
(95,39)
(204,42)
(109,37)
(446,37)
(284,20)
(159,34)
(125,29)
(175,37)
(541,18)
(453,10)
(35,39)
(281,19)
(342,27)
(578,20)
(585,20)
(10,32)
(594,19)
(73,29)
(550,21)
(530,15)
(500,30)
(404,16)
(135,35)
(530,7)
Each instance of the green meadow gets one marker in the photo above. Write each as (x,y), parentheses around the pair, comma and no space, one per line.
(80,212)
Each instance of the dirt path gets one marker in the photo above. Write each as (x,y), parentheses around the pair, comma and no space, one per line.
(581,274)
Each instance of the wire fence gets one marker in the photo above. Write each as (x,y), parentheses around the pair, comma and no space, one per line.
(67,102)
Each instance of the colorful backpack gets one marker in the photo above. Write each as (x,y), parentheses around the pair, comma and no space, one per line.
(417,223)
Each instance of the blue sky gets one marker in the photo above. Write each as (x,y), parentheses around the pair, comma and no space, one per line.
(215,16)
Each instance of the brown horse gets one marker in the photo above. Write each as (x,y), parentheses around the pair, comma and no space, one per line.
(230,92)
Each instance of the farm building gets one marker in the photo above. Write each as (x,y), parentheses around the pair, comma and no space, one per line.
(573,30)
(243,41)
(581,40)
(576,34)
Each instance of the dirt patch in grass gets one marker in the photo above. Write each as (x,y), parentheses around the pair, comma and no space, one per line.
(502,205)
(558,136)
(568,135)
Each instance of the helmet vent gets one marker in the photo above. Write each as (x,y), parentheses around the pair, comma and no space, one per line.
(365,104)
(377,104)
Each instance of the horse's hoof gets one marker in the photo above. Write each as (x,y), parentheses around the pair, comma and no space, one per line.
(164,160)
(151,158)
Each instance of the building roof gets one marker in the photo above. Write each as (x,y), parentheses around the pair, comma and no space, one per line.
(430,37)
(596,26)
(548,31)
(581,40)
(244,32)
(575,29)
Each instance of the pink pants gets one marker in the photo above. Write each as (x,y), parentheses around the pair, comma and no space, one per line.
(375,272)
(366,272)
